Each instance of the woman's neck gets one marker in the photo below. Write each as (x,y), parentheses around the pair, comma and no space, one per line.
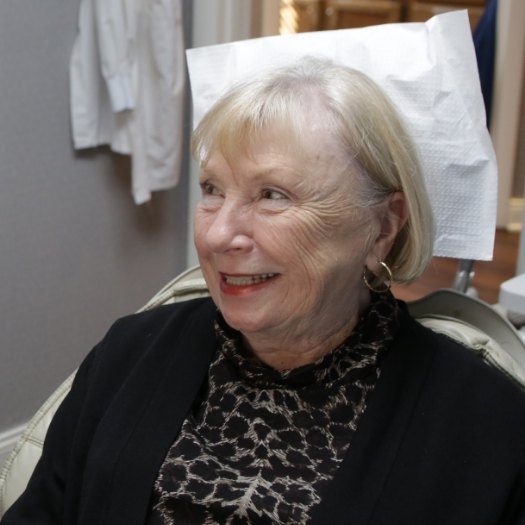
(306,344)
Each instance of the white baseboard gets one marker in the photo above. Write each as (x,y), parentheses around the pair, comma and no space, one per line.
(8,439)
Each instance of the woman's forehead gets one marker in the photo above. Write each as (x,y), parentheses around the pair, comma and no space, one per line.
(275,152)
(307,144)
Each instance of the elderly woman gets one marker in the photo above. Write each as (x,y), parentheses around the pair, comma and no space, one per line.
(302,392)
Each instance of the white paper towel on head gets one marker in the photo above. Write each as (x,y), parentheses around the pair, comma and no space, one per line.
(429,71)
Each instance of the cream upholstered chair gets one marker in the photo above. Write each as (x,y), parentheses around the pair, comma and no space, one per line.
(468,320)
(477,325)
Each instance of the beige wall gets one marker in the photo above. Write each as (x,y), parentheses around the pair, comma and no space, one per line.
(75,251)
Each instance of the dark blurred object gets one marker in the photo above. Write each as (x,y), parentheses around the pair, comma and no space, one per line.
(485,44)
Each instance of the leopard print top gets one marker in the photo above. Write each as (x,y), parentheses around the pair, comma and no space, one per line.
(260,445)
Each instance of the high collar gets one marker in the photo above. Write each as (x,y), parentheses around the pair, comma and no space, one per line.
(373,333)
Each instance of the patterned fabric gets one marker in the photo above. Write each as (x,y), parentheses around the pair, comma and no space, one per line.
(261,445)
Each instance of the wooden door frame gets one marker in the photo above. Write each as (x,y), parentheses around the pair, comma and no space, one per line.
(506,106)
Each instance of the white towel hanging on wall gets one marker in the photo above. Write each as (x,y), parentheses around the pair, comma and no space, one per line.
(127,86)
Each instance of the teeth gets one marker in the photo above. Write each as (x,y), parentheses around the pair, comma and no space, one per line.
(245,281)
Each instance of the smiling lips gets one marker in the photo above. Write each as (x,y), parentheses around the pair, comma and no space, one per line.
(241,284)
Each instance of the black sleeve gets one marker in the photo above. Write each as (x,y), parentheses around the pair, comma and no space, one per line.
(43,500)
(514,513)
(56,491)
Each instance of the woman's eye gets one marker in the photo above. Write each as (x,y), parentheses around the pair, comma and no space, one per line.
(209,189)
(273,195)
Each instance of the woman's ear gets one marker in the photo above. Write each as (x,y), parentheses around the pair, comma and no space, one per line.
(392,218)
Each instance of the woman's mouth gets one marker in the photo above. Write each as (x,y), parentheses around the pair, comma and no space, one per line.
(245,280)
(237,284)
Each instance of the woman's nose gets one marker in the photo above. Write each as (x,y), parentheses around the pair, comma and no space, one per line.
(230,230)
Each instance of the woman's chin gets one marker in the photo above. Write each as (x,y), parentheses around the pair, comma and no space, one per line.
(243,321)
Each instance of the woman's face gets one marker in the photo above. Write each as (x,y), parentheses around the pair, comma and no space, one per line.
(278,241)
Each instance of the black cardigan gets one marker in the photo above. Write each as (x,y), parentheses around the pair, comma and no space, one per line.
(441,442)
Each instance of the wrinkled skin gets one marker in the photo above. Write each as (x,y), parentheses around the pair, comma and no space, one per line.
(285,212)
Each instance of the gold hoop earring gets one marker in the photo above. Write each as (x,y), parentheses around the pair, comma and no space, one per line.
(387,284)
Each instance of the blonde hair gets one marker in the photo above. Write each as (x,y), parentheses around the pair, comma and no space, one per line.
(358,114)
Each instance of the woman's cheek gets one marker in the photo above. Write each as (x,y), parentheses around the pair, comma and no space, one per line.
(295,239)
(202,222)
(309,228)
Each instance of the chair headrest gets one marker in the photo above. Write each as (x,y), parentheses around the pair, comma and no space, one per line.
(475,324)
